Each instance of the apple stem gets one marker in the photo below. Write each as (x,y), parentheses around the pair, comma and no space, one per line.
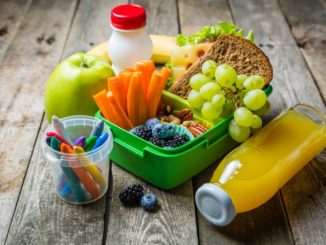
(84,65)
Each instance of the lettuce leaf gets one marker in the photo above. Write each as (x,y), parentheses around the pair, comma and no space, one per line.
(250,36)
(210,33)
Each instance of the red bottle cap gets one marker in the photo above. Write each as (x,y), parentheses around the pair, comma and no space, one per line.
(128,17)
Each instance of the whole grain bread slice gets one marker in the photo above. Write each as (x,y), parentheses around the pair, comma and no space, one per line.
(244,56)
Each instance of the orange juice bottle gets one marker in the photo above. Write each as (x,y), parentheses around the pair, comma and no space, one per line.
(253,172)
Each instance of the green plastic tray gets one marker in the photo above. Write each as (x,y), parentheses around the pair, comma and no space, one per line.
(168,168)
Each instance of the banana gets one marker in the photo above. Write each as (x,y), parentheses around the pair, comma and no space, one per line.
(102,50)
(162,46)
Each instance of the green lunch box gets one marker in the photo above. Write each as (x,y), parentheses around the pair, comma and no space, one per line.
(169,168)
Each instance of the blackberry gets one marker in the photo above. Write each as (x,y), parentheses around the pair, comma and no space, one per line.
(157,141)
(172,144)
(183,137)
(176,141)
(131,195)
(144,132)
(180,139)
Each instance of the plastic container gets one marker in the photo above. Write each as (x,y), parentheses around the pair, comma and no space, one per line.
(169,168)
(129,41)
(252,173)
(66,169)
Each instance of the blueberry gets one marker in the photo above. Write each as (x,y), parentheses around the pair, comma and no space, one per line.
(152,122)
(160,131)
(148,202)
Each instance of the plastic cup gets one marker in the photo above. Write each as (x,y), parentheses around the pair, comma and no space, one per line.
(79,178)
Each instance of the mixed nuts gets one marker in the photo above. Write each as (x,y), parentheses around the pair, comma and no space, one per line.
(183,118)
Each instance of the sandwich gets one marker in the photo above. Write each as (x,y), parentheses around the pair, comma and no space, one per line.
(235,50)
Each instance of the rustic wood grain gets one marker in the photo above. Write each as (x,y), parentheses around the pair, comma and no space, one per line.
(23,72)
(12,15)
(29,55)
(174,222)
(268,223)
(196,14)
(162,16)
(274,27)
(91,26)
(40,38)
(308,26)
(316,58)
(304,196)
(40,217)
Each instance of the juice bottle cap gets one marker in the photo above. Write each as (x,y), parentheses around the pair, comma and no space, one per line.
(215,204)
(128,17)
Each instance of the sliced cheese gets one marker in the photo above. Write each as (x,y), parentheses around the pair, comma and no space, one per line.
(185,56)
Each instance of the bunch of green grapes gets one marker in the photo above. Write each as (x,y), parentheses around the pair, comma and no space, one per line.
(219,91)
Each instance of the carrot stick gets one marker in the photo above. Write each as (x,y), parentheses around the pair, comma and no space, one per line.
(150,67)
(166,72)
(154,94)
(125,77)
(130,69)
(109,111)
(101,101)
(136,104)
(119,114)
(140,66)
(116,85)
(155,89)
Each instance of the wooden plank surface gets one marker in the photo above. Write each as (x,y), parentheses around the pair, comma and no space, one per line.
(12,15)
(174,223)
(268,223)
(40,217)
(304,196)
(308,26)
(31,47)
(274,28)
(196,14)
(24,70)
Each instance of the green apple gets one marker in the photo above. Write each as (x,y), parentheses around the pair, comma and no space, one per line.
(73,83)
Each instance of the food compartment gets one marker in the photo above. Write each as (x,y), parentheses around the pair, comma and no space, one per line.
(168,168)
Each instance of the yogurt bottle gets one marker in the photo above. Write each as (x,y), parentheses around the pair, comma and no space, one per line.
(129,41)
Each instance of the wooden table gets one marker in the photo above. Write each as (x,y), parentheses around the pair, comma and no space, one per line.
(36,34)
